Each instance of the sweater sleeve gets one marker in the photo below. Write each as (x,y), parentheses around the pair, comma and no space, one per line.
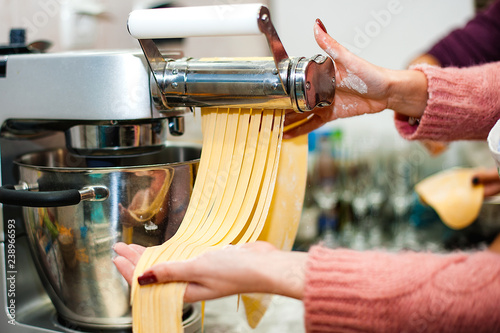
(349,291)
(463,104)
(476,43)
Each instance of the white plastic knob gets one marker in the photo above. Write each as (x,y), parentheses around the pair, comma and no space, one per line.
(181,22)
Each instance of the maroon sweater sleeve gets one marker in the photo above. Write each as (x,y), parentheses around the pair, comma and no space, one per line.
(477,43)
(350,291)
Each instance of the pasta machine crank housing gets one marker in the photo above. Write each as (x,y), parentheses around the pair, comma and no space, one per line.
(297,83)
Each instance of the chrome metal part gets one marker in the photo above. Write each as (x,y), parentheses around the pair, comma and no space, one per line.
(154,57)
(300,84)
(312,82)
(222,82)
(23,186)
(117,137)
(176,125)
(94,193)
(267,28)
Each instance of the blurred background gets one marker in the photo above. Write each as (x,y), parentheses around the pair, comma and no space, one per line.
(360,191)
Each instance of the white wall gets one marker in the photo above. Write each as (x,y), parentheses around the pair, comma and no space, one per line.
(385,32)
(102,24)
(69,24)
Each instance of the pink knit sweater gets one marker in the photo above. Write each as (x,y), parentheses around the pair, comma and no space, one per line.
(349,291)
(463,104)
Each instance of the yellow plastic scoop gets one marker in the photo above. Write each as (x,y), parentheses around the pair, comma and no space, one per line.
(453,196)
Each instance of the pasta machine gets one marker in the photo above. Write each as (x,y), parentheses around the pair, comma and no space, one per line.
(297,83)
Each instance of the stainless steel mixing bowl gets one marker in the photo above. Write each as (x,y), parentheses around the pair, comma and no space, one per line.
(147,197)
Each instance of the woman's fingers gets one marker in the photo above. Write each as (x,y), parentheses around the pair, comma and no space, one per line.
(327,43)
(178,271)
(125,267)
(128,257)
(491,189)
(256,267)
(137,248)
(486,176)
(294,117)
(320,115)
(489,179)
(197,292)
(131,252)
(310,125)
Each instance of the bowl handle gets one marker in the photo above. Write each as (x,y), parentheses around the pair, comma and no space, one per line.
(21,196)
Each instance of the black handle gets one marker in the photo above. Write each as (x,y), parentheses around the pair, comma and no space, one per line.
(10,196)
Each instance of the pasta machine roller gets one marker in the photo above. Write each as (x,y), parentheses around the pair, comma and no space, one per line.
(297,83)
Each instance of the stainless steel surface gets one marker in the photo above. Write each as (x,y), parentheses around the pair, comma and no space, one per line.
(101,100)
(176,125)
(223,82)
(267,28)
(312,83)
(72,246)
(308,83)
(84,85)
(154,57)
(117,138)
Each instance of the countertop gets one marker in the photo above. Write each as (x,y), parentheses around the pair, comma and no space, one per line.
(283,315)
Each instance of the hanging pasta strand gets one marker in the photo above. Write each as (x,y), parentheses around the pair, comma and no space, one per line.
(232,196)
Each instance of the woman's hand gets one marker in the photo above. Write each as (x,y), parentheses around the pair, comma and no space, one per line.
(254,267)
(362,88)
(490,180)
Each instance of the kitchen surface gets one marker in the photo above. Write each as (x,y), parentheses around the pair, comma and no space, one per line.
(124,136)
(283,315)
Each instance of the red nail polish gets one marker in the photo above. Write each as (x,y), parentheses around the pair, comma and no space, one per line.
(321,25)
(147,278)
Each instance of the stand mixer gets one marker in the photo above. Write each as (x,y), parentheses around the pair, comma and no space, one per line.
(114,111)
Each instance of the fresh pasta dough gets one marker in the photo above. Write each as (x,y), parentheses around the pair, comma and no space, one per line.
(453,197)
(284,214)
(236,199)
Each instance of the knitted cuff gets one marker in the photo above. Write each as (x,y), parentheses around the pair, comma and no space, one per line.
(463,104)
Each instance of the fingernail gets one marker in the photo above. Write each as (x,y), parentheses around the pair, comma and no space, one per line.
(147,278)
(321,25)
(475,181)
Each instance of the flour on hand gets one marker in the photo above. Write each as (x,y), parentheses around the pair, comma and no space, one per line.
(353,82)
